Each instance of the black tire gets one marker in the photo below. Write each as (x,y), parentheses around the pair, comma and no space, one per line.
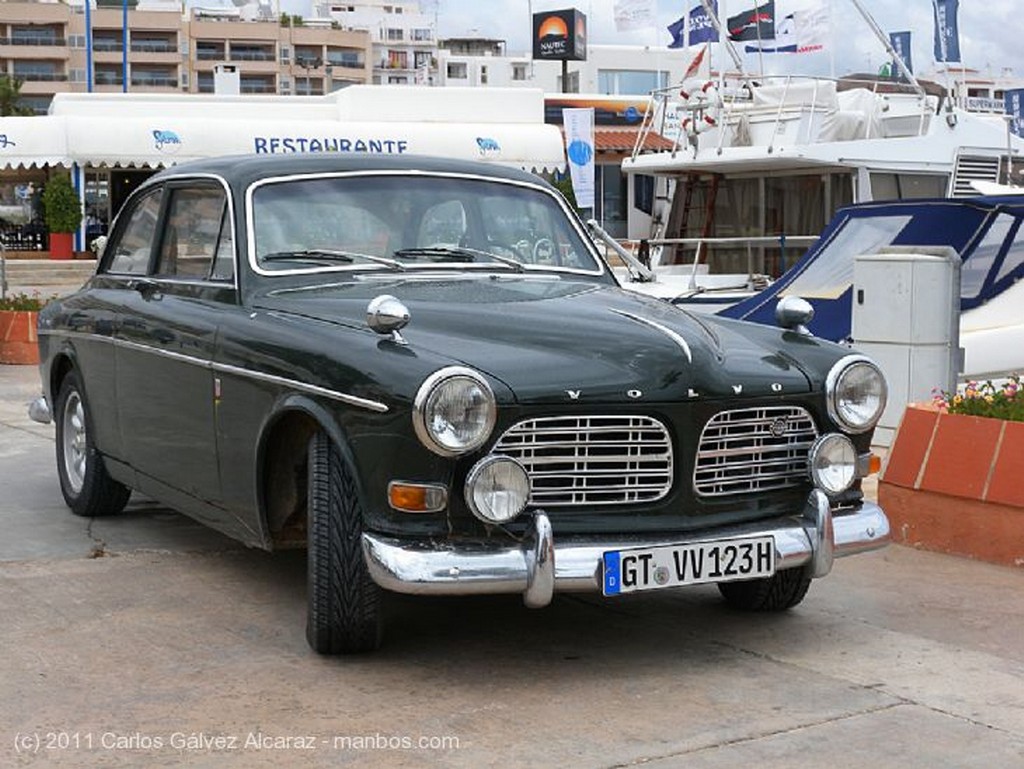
(344,615)
(87,487)
(782,591)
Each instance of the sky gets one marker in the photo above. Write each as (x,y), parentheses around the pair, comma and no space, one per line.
(990,32)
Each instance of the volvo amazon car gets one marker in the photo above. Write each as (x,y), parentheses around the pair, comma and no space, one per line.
(425,373)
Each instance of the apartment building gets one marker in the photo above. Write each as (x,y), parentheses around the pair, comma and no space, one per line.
(44,45)
(404,39)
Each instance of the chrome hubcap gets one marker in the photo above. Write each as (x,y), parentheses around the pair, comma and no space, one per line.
(74,441)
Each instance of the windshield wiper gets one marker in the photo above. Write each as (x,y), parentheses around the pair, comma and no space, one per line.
(460,254)
(330,255)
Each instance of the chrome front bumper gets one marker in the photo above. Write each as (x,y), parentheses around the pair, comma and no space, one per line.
(39,411)
(537,567)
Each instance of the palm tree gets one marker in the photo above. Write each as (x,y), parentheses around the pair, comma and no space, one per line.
(10,94)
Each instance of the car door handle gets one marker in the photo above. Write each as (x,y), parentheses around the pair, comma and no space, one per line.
(144,286)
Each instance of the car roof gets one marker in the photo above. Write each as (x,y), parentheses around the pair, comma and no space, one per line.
(242,170)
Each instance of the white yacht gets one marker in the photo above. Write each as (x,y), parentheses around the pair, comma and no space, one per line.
(760,165)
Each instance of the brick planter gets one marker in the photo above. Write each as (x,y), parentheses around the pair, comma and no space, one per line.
(955,484)
(18,340)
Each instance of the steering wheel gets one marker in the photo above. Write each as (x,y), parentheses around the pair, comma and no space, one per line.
(544,252)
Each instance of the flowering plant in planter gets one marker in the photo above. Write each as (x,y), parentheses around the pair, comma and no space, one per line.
(18,318)
(23,302)
(1005,401)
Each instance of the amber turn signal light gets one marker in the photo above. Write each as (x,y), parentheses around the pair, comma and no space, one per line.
(417,497)
(874,464)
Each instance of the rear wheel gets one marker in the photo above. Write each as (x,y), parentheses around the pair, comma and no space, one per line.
(344,602)
(87,487)
(782,591)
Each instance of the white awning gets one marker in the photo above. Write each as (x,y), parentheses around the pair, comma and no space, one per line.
(27,142)
(167,141)
(504,126)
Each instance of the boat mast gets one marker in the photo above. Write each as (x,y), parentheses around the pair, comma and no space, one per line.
(869,19)
(724,37)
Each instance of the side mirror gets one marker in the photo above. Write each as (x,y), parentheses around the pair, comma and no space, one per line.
(386,315)
(794,313)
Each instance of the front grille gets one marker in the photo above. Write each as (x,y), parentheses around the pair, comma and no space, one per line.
(592,460)
(755,449)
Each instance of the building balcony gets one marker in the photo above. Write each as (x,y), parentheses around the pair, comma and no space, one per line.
(44,41)
(107,78)
(107,46)
(346,64)
(253,56)
(154,47)
(40,77)
(257,87)
(155,81)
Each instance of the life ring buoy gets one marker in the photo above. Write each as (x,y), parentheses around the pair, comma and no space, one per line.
(704,105)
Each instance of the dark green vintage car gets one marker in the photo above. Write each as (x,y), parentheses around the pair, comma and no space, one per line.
(424,372)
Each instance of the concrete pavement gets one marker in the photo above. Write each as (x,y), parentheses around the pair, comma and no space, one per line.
(176,647)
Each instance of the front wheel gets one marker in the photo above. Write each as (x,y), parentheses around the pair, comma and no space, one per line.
(87,487)
(344,602)
(782,591)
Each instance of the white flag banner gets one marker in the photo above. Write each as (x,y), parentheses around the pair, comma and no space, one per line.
(801,26)
(579,148)
(812,25)
(633,14)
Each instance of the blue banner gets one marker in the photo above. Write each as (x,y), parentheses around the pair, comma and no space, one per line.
(1015,109)
(901,44)
(702,30)
(947,32)
(678,31)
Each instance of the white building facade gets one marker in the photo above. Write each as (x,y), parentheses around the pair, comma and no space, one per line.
(404,39)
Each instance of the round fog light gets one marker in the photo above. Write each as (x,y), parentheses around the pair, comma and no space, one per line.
(497,489)
(833,463)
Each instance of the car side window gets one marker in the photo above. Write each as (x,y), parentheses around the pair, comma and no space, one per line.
(224,259)
(132,250)
(192,232)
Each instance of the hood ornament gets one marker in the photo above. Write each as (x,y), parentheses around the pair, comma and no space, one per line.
(387,315)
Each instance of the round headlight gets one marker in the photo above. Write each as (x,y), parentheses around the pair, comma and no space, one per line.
(497,489)
(833,463)
(856,394)
(454,411)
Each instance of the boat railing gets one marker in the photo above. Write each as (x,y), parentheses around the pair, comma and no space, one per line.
(643,257)
(730,100)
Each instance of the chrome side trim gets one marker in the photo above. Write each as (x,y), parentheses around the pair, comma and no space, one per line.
(352,400)
(673,335)
(224,368)
(483,566)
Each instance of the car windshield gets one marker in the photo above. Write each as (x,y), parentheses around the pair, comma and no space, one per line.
(408,222)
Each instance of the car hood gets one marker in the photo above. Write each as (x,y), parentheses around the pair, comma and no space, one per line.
(551,339)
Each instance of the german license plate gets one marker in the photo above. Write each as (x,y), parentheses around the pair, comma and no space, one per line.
(651,568)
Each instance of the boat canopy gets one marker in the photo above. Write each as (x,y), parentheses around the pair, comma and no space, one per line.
(985,231)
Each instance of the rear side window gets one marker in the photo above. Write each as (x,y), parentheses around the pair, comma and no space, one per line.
(134,244)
